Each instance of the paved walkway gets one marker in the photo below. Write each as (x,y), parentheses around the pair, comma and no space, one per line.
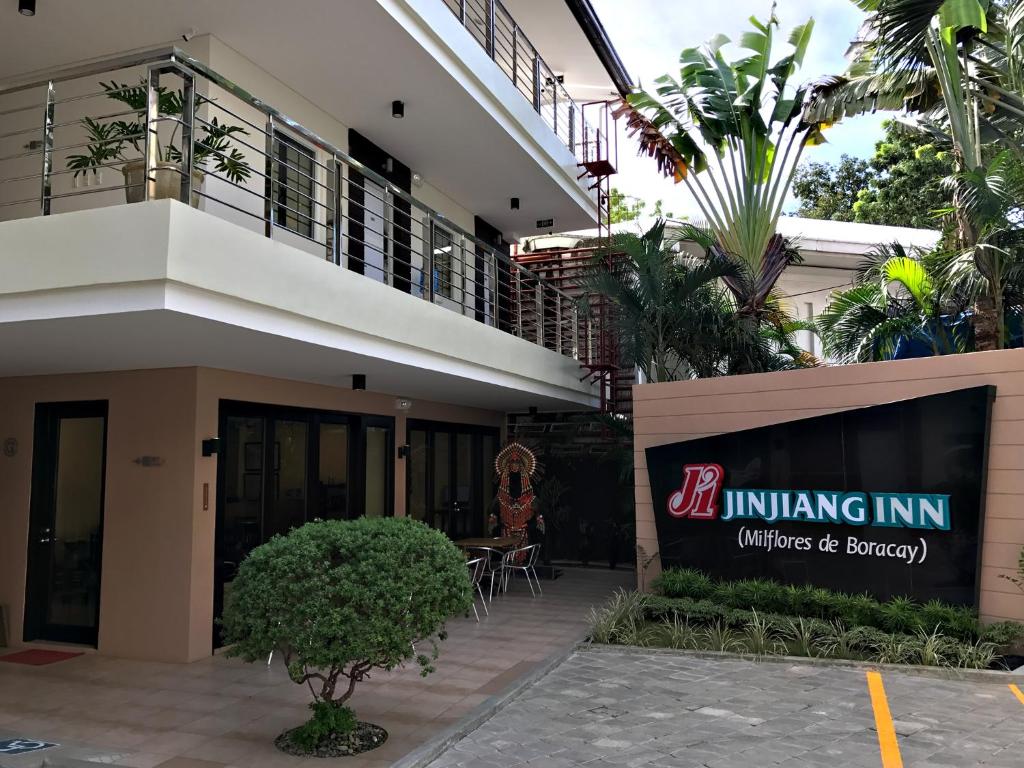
(222,712)
(605,709)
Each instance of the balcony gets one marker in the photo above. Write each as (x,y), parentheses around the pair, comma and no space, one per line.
(162,125)
(494,28)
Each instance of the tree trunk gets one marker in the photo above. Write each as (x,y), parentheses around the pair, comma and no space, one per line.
(986,325)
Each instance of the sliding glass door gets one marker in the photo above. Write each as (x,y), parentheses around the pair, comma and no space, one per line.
(450,476)
(279,468)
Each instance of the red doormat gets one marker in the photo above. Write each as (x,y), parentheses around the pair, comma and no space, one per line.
(37,657)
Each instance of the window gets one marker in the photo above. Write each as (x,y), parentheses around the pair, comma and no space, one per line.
(444,245)
(295,180)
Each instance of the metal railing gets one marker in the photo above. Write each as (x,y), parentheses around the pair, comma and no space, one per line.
(492,26)
(172,127)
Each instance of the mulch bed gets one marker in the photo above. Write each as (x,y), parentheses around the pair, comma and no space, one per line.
(365,737)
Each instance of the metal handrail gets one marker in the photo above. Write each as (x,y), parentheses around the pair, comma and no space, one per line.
(497,48)
(561,331)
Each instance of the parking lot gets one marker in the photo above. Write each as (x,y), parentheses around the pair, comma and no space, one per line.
(609,708)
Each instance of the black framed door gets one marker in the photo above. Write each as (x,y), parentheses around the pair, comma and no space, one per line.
(281,467)
(65,548)
(450,476)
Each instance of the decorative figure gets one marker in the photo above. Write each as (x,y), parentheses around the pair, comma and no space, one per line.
(515,464)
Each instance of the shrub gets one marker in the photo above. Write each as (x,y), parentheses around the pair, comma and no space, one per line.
(676,633)
(607,622)
(1003,634)
(683,582)
(328,718)
(338,599)
(717,636)
(762,637)
(802,635)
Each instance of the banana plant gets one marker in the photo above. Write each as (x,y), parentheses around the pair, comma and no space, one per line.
(733,132)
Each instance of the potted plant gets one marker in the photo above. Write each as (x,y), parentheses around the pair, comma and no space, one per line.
(110,139)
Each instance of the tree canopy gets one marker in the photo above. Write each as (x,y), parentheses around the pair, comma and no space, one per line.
(901,185)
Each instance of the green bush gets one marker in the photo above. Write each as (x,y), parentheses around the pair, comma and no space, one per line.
(899,615)
(1003,634)
(328,718)
(338,599)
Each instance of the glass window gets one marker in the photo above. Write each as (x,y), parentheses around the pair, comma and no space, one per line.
(417,469)
(295,191)
(444,244)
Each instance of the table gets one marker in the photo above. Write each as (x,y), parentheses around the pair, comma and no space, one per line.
(503,543)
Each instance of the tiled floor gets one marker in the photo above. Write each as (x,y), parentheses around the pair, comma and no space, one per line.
(222,712)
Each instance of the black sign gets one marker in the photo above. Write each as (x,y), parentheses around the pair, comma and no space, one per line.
(887,499)
(545,223)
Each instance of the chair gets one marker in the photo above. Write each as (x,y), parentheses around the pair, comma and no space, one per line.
(476,567)
(525,560)
(493,559)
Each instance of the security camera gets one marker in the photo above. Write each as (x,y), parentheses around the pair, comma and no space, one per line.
(189,34)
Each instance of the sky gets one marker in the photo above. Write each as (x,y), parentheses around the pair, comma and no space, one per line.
(649,34)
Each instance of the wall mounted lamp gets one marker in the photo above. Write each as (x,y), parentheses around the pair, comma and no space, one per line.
(398,109)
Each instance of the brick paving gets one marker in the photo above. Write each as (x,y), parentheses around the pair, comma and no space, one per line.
(605,709)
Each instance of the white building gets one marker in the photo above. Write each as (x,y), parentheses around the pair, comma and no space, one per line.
(333,330)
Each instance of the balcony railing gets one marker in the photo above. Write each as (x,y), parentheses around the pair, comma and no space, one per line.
(492,26)
(164,125)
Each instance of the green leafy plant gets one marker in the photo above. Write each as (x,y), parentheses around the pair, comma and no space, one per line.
(683,582)
(109,140)
(900,615)
(839,642)
(977,655)
(893,649)
(718,636)
(676,632)
(339,599)
(802,637)
(328,719)
(607,622)
(932,648)
(1003,634)
(761,637)
(635,631)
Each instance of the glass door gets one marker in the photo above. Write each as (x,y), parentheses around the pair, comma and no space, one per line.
(279,468)
(451,477)
(66,523)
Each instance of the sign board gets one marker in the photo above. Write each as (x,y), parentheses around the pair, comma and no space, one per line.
(545,223)
(887,499)
(22,746)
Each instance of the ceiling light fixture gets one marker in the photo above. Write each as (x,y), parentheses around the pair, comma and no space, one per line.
(514,203)
(398,109)
(27,7)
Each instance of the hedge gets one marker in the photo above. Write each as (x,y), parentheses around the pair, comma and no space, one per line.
(692,593)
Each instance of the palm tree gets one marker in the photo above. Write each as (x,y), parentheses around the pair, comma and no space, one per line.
(733,132)
(666,311)
(898,298)
(958,67)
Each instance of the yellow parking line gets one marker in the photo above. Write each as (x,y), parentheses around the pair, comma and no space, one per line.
(1017,692)
(883,723)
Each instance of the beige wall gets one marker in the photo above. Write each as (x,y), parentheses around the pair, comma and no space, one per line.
(668,413)
(156,599)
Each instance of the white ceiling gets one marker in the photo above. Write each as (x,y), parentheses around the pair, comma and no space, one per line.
(352,59)
(551,27)
(153,339)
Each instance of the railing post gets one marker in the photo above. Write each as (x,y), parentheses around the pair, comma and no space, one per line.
(45,186)
(188,113)
(518,293)
(572,127)
(495,290)
(336,224)
(515,55)
(554,103)
(152,129)
(462,12)
(490,28)
(430,259)
(268,199)
(575,331)
(536,82)
(558,322)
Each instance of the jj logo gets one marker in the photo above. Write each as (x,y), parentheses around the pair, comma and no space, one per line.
(698,498)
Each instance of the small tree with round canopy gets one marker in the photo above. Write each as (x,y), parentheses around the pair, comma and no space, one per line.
(339,599)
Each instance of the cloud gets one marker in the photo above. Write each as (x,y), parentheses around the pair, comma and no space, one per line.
(649,34)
